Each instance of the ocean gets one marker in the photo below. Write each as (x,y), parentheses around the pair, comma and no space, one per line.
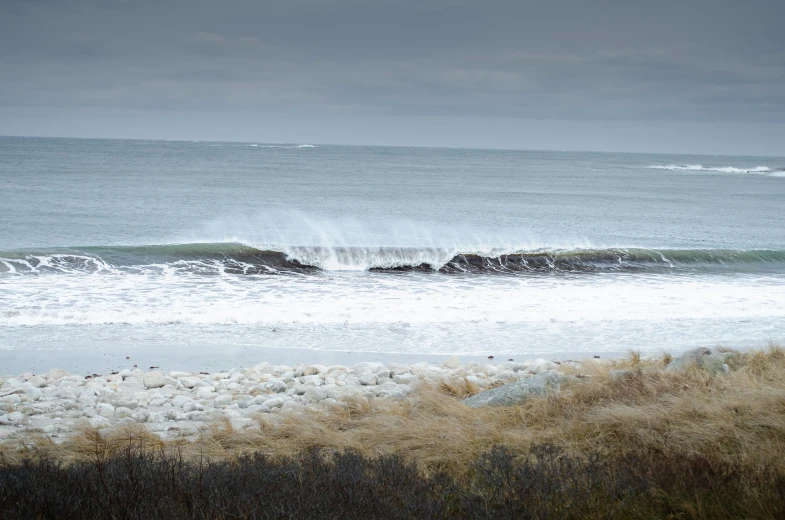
(198,254)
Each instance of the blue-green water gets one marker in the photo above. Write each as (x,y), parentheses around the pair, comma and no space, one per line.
(109,245)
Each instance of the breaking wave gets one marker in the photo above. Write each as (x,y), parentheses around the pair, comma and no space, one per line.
(764,170)
(237,258)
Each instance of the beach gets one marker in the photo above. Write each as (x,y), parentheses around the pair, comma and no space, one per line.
(608,322)
(637,436)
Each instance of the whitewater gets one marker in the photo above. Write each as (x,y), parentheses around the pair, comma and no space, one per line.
(217,254)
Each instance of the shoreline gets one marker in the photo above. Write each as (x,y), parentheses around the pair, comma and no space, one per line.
(201,358)
(181,403)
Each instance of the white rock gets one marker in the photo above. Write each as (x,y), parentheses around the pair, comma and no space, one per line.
(122,412)
(99,422)
(315,394)
(191,406)
(369,366)
(181,400)
(404,379)
(86,401)
(452,362)
(206,392)
(367,379)
(334,392)
(370,391)
(276,385)
(541,365)
(12,399)
(508,375)
(154,380)
(223,400)
(34,393)
(104,409)
(126,401)
(37,381)
(398,368)
(291,406)
(189,381)
(275,402)
(12,383)
(70,394)
(125,374)
(141,415)
(16,417)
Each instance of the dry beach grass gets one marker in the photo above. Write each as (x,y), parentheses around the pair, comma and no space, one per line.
(738,416)
(728,425)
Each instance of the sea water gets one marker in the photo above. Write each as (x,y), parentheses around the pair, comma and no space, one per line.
(194,251)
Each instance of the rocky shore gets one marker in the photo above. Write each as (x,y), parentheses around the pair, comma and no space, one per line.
(179,404)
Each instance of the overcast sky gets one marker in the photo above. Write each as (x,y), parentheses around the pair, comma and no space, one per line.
(627,75)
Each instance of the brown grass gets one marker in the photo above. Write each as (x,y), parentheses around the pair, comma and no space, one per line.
(734,418)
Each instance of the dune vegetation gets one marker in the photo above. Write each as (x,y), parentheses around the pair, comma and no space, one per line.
(621,439)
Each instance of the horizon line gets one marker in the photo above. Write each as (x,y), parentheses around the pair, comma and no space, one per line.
(317,144)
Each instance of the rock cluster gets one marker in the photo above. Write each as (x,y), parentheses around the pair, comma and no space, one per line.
(714,362)
(180,403)
(517,391)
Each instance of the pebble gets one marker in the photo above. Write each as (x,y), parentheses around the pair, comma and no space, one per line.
(452,362)
(154,380)
(368,379)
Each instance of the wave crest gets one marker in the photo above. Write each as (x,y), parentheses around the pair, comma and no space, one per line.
(237,258)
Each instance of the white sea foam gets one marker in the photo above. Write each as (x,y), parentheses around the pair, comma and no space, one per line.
(171,295)
(719,169)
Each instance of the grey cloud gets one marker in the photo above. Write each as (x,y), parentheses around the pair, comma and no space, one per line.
(691,60)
